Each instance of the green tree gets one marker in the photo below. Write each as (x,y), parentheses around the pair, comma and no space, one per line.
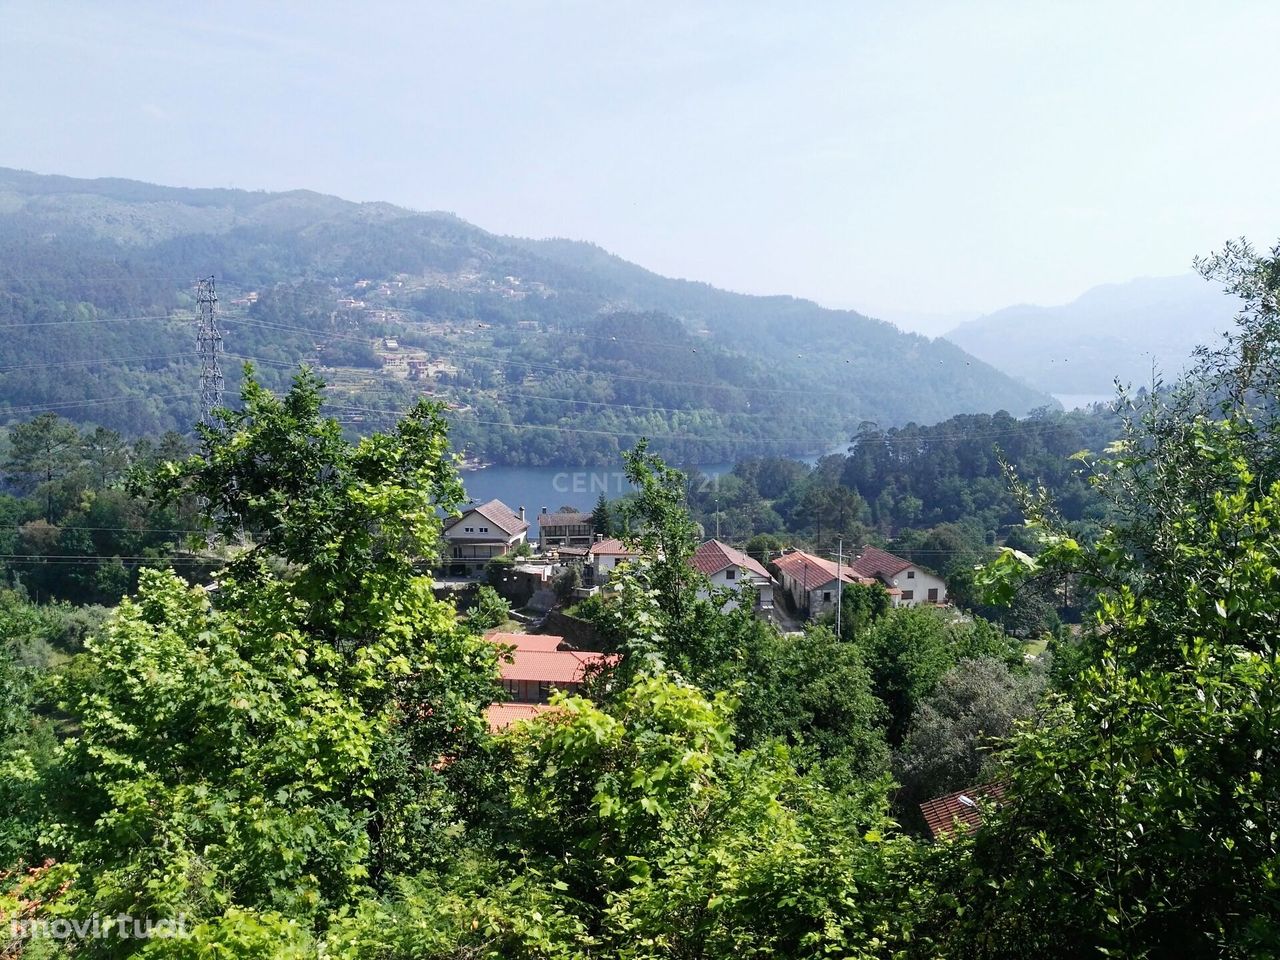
(764,547)
(489,610)
(814,693)
(41,451)
(861,605)
(276,744)
(907,651)
(950,745)
(602,518)
(107,456)
(1139,815)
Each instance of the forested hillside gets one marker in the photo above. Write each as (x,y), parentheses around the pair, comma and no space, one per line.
(292,759)
(546,351)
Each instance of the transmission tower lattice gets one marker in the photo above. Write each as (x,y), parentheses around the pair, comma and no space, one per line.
(209,340)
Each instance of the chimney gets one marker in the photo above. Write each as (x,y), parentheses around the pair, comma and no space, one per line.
(522,513)
(599,537)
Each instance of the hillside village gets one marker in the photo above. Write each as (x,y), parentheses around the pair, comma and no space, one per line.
(547,564)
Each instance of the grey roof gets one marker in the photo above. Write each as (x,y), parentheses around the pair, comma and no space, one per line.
(501,516)
(563,518)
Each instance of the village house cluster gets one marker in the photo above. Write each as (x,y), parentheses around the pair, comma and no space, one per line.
(493,541)
(804,584)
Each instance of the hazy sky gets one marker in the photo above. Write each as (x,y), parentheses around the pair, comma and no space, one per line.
(900,158)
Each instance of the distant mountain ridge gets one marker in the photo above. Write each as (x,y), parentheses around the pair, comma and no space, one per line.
(512,320)
(1116,330)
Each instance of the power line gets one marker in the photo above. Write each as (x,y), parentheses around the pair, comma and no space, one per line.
(121,398)
(76,363)
(60,323)
(115,278)
(570,429)
(61,526)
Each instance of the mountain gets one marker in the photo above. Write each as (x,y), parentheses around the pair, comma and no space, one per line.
(547,351)
(1114,330)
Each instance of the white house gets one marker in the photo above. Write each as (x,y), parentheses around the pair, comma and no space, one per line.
(726,566)
(603,557)
(916,584)
(480,534)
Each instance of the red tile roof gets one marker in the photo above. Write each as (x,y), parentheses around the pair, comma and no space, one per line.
(813,572)
(960,810)
(713,556)
(503,715)
(612,546)
(552,666)
(874,562)
(545,643)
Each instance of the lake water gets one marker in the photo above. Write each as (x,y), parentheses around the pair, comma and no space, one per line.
(553,487)
(579,487)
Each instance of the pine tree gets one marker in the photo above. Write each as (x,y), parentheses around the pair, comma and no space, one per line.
(601,518)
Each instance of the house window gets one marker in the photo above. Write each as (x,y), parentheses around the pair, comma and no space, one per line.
(457,552)
(484,529)
(826,596)
(933,594)
(468,529)
(544,689)
(730,574)
(908,594)
(911,574)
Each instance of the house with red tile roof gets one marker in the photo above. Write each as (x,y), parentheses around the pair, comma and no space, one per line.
(812,581)
(539,642)
(728,567)
(917,585)
(483,532)
(603,557)
(502,715)
(533,667)
(962,810)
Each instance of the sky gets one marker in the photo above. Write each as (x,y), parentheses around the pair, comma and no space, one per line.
(922,162)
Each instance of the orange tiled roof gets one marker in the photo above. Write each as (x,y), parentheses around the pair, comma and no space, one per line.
(552,666)
(961,809)
(503,715)
(527,641)
(562,519)
(713,556)
(612,546)
(813,572)
(499,514)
